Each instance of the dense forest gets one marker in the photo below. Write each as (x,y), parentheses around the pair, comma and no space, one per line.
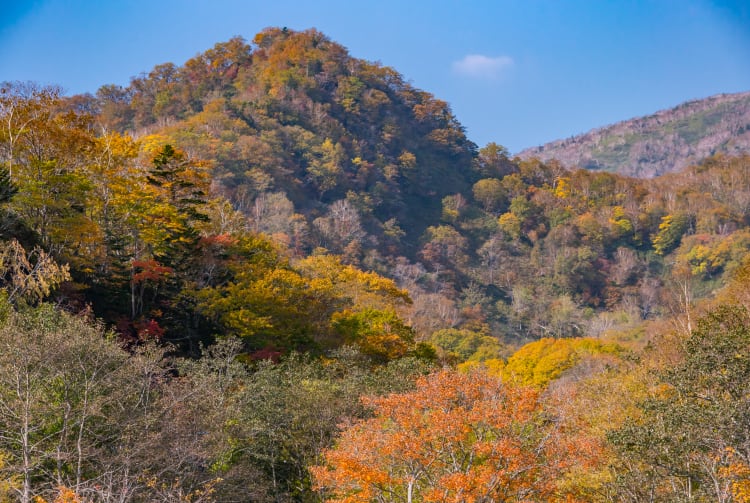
(281,273)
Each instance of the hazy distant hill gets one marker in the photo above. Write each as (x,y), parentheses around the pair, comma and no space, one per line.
(664,142)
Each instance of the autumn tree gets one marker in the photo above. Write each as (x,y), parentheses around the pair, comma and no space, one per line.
(457,437)
(325,167)
(23,108)
(291,411)
(538,363)
(161,217)
(117,203)
(380,334)
(341,226)
(313,304)
(28,277)
(671,230)
(44,148)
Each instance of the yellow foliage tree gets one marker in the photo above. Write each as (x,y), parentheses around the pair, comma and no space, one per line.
(29,277)
(540,362)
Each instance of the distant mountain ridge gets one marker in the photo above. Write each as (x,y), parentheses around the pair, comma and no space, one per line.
(664,142)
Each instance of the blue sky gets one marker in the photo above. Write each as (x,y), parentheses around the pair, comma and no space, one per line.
(519,73)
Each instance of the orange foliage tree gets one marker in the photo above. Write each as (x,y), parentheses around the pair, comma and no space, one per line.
(457,437)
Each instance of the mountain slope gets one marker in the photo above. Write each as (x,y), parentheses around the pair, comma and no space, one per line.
(326,152)
(664,142)
(259,187)
(294,113)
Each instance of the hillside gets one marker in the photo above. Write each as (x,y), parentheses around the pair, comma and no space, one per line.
(258,275)
(293,113)
(289,142)
(665,142)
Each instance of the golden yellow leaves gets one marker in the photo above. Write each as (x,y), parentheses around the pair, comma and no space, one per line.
(29,276)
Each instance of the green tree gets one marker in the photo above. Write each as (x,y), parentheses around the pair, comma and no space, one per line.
(65,413)
(380,334)
(182,187)
(494,161)
(461,345)
(693,438)
(264,426)
(490,194)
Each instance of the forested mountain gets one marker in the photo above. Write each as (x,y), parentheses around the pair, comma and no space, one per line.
(280,273)
(322,151)
(294,115)
(665,142)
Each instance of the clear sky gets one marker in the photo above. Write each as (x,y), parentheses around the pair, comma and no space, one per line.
(516,72)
